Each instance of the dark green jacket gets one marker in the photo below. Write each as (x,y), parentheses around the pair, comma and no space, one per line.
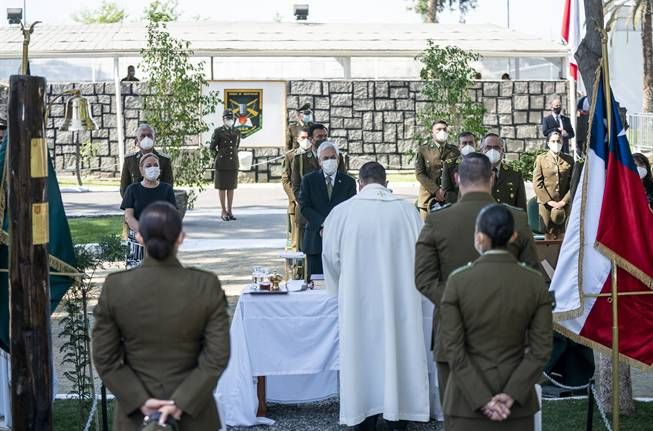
(162,331)
(224,145)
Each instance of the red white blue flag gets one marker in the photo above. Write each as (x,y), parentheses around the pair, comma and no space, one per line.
(610,220)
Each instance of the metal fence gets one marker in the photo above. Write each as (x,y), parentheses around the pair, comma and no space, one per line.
(640,133)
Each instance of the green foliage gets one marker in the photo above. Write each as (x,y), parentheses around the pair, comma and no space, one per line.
(429,9)
(108,12)
(161,11)
(176,107)
(448,77)
(76,348)
(525,164)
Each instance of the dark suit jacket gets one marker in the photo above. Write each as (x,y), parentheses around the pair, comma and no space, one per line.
(162,331)
(549,124)
(315,205)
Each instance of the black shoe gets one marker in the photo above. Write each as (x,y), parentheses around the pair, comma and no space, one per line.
(396,425)
(231,217)
(369,424)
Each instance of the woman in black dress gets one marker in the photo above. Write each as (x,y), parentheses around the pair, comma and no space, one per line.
(137,197)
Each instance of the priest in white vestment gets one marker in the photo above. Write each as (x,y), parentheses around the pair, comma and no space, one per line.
(368,256)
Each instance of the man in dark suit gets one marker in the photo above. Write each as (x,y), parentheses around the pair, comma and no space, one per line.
(560,123)
(319,193)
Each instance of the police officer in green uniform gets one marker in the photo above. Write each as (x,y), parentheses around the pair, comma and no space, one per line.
(445,241)
(552,186)
(306,162)
(496,349)
(466,145)
(508,183)
(224,145)
(302,144)
(131,172)
(428,167)
(303,119)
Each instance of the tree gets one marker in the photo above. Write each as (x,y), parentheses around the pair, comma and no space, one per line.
(448,76)
(588,56)
(640,12)
(162,11)
(429,9)
(176,106)
(107,13)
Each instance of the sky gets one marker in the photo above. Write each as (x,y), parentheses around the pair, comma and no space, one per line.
(541,18)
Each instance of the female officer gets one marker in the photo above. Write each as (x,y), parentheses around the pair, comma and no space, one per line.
(552,184)
(161,334)
(496,329)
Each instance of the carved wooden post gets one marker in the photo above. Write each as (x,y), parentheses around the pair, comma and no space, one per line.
(31,356)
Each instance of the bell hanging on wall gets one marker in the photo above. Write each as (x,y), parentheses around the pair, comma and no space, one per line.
(77,115)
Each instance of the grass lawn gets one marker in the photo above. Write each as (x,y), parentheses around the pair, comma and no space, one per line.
(568,415)
(90,229)
(66,416)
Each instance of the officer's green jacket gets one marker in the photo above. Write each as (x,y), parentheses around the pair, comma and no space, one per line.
(509,187)
(162,331)
(224,145)
(428,169)
(446,243)
(497,334)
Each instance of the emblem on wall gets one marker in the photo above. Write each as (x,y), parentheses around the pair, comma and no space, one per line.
(247,106)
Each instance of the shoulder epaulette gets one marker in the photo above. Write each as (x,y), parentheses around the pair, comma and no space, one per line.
(442,207)
(523,265)
(462,269)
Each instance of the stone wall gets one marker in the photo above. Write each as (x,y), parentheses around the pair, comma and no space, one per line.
(370,120)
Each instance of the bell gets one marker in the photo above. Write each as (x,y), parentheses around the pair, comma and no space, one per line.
(77,115)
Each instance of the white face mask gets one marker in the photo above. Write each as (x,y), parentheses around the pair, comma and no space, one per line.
(555,147)
(494,156)
(441,136)
(641,170)
(304,144)
(228,122)
(467,149)
(146,143)
(152,173)
(330,166)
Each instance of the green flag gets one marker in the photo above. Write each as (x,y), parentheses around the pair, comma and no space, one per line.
(62,253)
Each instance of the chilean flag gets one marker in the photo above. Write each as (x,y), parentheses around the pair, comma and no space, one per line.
(610,219)
(571,32)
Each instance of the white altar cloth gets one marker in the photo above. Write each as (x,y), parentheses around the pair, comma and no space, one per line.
(293,340)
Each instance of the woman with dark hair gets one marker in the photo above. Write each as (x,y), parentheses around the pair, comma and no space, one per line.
(161,333)
(644,171)
(496,329)
(137,197)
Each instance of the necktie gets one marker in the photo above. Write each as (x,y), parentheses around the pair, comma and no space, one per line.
(560,122)
(329,186)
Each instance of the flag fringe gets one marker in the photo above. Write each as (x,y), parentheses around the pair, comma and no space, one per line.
(568,315)
(633,270)
(571,314)
(600,347)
